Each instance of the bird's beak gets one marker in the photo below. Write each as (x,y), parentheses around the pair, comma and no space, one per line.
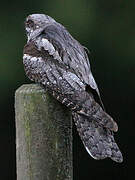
(32,34)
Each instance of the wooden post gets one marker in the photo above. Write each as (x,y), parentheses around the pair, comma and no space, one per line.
(43,136)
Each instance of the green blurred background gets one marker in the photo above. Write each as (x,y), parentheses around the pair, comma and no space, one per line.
(107,29)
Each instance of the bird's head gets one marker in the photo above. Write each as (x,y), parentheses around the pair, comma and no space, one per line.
(36,23)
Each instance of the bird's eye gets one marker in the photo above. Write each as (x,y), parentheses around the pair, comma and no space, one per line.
(30,24)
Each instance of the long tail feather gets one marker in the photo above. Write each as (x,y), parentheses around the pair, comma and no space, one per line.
(98,141)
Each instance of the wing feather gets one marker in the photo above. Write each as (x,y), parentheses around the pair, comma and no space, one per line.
(71,53)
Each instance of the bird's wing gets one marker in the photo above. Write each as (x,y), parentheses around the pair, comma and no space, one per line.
(43,67)
(73,55)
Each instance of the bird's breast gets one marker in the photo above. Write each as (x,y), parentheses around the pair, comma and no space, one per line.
(33,66)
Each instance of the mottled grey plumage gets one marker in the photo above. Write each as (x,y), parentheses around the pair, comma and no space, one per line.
(53,58)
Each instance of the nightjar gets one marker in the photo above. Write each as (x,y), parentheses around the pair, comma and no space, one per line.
(54,59)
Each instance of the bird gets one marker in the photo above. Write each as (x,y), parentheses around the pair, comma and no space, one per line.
(58,62)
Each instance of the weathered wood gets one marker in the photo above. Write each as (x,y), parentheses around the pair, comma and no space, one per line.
(43,136)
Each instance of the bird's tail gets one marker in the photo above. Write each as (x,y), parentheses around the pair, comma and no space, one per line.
(98,140)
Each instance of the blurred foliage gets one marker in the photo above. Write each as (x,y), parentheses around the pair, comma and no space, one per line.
(107,29)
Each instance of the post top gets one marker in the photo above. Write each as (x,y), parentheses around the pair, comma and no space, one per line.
(30,88)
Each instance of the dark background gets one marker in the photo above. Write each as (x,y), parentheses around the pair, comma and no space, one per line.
(107,28)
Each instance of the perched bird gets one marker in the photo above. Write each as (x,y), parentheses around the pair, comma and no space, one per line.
(53,58)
